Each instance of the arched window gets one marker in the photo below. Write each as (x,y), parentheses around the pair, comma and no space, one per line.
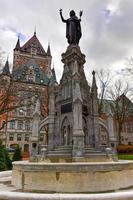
(103,136)
(12,124)
(66,132)
(26,147)
(85,129)
(27,126)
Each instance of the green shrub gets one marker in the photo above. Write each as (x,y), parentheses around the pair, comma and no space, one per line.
(5,162)
(17,154)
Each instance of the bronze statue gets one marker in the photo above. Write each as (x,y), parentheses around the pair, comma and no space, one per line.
(73,28)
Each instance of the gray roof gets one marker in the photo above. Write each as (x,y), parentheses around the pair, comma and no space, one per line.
(21,73)
(6,70)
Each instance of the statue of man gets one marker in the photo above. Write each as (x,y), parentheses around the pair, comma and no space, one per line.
(73,28)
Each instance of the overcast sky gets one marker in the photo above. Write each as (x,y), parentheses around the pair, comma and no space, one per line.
(107,29)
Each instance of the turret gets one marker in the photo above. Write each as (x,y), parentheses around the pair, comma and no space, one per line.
(53,80)
(48,50)
(6,70)
(94,86)
(95,121)
(17,47)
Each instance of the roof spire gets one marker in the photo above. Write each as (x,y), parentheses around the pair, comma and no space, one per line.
(17,47)
(54,75)
(94,85)
(53,80)
(35,30)
(49,50)
(6,70)
(94,79)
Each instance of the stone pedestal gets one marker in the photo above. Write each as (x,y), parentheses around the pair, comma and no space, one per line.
(74,60)
(73,110)
(35,131)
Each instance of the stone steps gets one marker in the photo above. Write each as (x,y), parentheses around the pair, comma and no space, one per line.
(67,150)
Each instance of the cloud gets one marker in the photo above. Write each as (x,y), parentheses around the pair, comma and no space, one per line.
(22,36)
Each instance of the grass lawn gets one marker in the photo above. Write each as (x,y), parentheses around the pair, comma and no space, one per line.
(125,156)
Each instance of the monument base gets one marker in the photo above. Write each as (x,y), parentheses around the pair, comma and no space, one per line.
(73,177)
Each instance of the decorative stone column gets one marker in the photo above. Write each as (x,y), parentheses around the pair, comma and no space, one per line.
(35,130)
(51,118)
(95,116)
(78,133)
(74,60)
(112,137)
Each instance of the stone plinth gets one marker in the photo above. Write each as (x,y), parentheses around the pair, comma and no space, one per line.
(73,177)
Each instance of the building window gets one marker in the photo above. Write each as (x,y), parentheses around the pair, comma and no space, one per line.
(31,75)
(33,51)
(41,138)
(21,112)
(122,138)
(11,137)
(20,125)
(129,127)
(26,137)
(19,137)
(27,125)
(12,124)
(30,79)
(103,137)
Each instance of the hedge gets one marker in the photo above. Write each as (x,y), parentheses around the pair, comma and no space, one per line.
(125,148)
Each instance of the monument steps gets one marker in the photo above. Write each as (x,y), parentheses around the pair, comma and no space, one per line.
(61,150)
(89,150)
(67,151)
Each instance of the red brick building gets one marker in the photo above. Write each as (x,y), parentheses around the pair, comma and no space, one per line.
(114,117)
(31,75)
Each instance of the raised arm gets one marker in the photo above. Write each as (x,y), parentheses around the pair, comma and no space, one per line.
(80,14)
(62,18)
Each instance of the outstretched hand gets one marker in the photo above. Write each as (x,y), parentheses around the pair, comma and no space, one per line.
(80,13)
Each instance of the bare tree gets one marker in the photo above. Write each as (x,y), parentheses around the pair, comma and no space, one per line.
(120,105)
(104,80)
(11,98)
(128,70)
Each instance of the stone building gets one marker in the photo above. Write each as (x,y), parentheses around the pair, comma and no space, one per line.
(109,123)
(31,75)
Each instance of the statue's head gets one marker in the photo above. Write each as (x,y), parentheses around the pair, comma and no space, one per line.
(72,13)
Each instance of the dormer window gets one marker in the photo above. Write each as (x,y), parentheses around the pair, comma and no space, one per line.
(31,75)
(31,72)
(36,69)
(33,50)
(30,79)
